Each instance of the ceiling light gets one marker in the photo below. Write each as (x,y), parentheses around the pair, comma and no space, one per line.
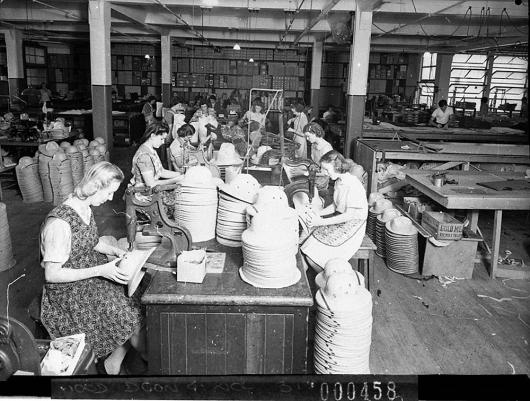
(251,60)
(147,56)
(237,47)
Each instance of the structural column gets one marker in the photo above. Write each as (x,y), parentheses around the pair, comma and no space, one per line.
(316,73)
(167,56)
(357,77)
(100,69)
(442,77)
(15,62)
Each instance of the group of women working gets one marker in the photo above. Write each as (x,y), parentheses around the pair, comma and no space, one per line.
(85,293)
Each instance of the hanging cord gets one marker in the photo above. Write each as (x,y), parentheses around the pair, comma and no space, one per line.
(500,24)
(469,21)
(7,296)
(487,19)
(511,23)
(482,12)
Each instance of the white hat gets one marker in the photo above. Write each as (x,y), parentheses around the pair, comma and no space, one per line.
(374,196)
(401,225)
(100,140)
(340,291)
(199,176)
(227,155)
(388,214)
(244,187)
(271,198)
(335,265)
(380,206)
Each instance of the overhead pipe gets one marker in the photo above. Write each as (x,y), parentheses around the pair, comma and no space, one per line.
(422,18)
(325,11)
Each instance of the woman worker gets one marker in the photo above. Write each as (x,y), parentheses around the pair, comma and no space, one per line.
(299,121)
(338,228)
(147,168)
(254,114)
(180,145)
(319,146)
(149,110)
(84,292)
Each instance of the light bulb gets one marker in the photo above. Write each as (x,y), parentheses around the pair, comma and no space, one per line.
(251,60)
(237,47)
(147,56)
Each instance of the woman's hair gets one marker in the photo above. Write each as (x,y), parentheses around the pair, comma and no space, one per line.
(98,177)
(299,107)
(156,128)
(150,99)
(204,102)
(339,162)
(185,130)
(255,103)
(315,128)
(442,103)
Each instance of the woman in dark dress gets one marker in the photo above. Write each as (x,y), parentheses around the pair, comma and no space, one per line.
(84,293)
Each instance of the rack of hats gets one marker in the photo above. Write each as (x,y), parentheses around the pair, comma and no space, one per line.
(55,170)
(395,236)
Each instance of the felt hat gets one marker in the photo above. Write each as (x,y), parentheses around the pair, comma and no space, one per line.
(373,197)
(380,206)
(388,214)
(71,149)
(100,140)
(25,161)
(227,155)
(340,290)
(271,198)
(65,145)
(200,177)
(401,225)
(244,187)
(93,144)
(336,265)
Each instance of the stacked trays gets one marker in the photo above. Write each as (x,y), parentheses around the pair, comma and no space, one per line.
(6,248)
(270,244)
(28,179)
(343,330)
(234,198)
(46,153)
(402,246)
(76,162)
(61,177)
(196,204)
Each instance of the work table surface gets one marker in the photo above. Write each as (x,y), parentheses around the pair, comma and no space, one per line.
(226,288)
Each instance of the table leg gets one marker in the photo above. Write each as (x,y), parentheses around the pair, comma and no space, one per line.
(472,215)
(497,224)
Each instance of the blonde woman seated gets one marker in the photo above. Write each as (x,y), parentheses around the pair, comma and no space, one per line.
(147,168)
(83,291)
(338,229)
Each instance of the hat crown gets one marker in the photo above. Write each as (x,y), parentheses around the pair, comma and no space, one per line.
(402,225)
(336,265)
(340,286)
(271,197)
(243,185)
(389,214)
(198,175)
(381,205)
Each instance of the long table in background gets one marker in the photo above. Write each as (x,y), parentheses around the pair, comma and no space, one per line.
(468,195)
(369,152)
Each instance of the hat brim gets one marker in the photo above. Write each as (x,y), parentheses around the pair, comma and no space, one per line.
(319,280)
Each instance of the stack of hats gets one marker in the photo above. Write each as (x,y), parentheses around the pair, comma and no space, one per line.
(270,244)
(226,157)
(46,152)
(76,163)
(234,198)
(58,130)
(61,177)
(343,330)
(382,219)
(337,265)
(97,150)
(402,246)
(378,207)
(7,261)
(196,205)
(372,215)
(28,179)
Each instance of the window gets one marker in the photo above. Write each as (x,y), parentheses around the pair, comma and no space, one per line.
(35,76)
(466,84)
(35,55)
(426,84)
(509,81)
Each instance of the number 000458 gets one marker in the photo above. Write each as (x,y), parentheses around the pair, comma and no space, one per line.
(375,390)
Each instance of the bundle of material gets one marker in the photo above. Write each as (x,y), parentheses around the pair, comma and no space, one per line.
(28,179)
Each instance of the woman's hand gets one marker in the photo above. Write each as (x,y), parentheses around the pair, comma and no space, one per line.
(112,272)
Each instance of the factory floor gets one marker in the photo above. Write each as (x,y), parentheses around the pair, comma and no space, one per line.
(477,326)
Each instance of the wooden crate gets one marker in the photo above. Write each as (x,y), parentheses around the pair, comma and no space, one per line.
(442,225)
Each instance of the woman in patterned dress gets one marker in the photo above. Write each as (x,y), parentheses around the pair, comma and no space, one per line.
(338,229)
(84,293)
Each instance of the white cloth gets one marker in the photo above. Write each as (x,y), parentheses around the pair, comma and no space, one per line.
(442,117)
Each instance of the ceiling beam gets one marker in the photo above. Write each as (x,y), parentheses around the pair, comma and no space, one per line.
(323,14)
(135,16)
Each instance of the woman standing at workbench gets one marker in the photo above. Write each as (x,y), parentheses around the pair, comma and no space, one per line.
(338,229)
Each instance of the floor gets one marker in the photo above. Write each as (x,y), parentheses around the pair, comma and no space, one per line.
(477,326)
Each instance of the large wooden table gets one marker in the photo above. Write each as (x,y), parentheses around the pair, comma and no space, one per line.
(225,326)
(470,196)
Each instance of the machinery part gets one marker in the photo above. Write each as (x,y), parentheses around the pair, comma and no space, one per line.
(151,205)
(312,169)
(18,350)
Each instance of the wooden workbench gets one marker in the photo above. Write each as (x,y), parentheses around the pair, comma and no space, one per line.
(369,152)
(224,325)
(469,196)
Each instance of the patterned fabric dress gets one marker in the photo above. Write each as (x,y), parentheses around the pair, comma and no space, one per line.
(96,306)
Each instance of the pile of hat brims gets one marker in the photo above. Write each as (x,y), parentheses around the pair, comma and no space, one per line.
(7,261)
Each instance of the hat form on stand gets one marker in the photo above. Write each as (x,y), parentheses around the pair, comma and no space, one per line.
(28,179)
(402,251)
(343,329)
(7,261)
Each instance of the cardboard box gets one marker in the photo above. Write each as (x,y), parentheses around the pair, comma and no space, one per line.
(191,266)
(442,226)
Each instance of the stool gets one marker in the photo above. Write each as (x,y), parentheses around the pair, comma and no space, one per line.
(365,260)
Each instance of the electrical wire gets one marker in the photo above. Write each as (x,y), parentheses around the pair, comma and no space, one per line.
(511,23)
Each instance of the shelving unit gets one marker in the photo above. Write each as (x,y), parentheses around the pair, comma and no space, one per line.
(201,69)
(69,72)
(387,74)
(132,72)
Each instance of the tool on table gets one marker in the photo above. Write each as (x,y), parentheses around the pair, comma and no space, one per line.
(438,179)
(149,204)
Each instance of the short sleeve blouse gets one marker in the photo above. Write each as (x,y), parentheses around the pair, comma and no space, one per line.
(350,193)
(145,160)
